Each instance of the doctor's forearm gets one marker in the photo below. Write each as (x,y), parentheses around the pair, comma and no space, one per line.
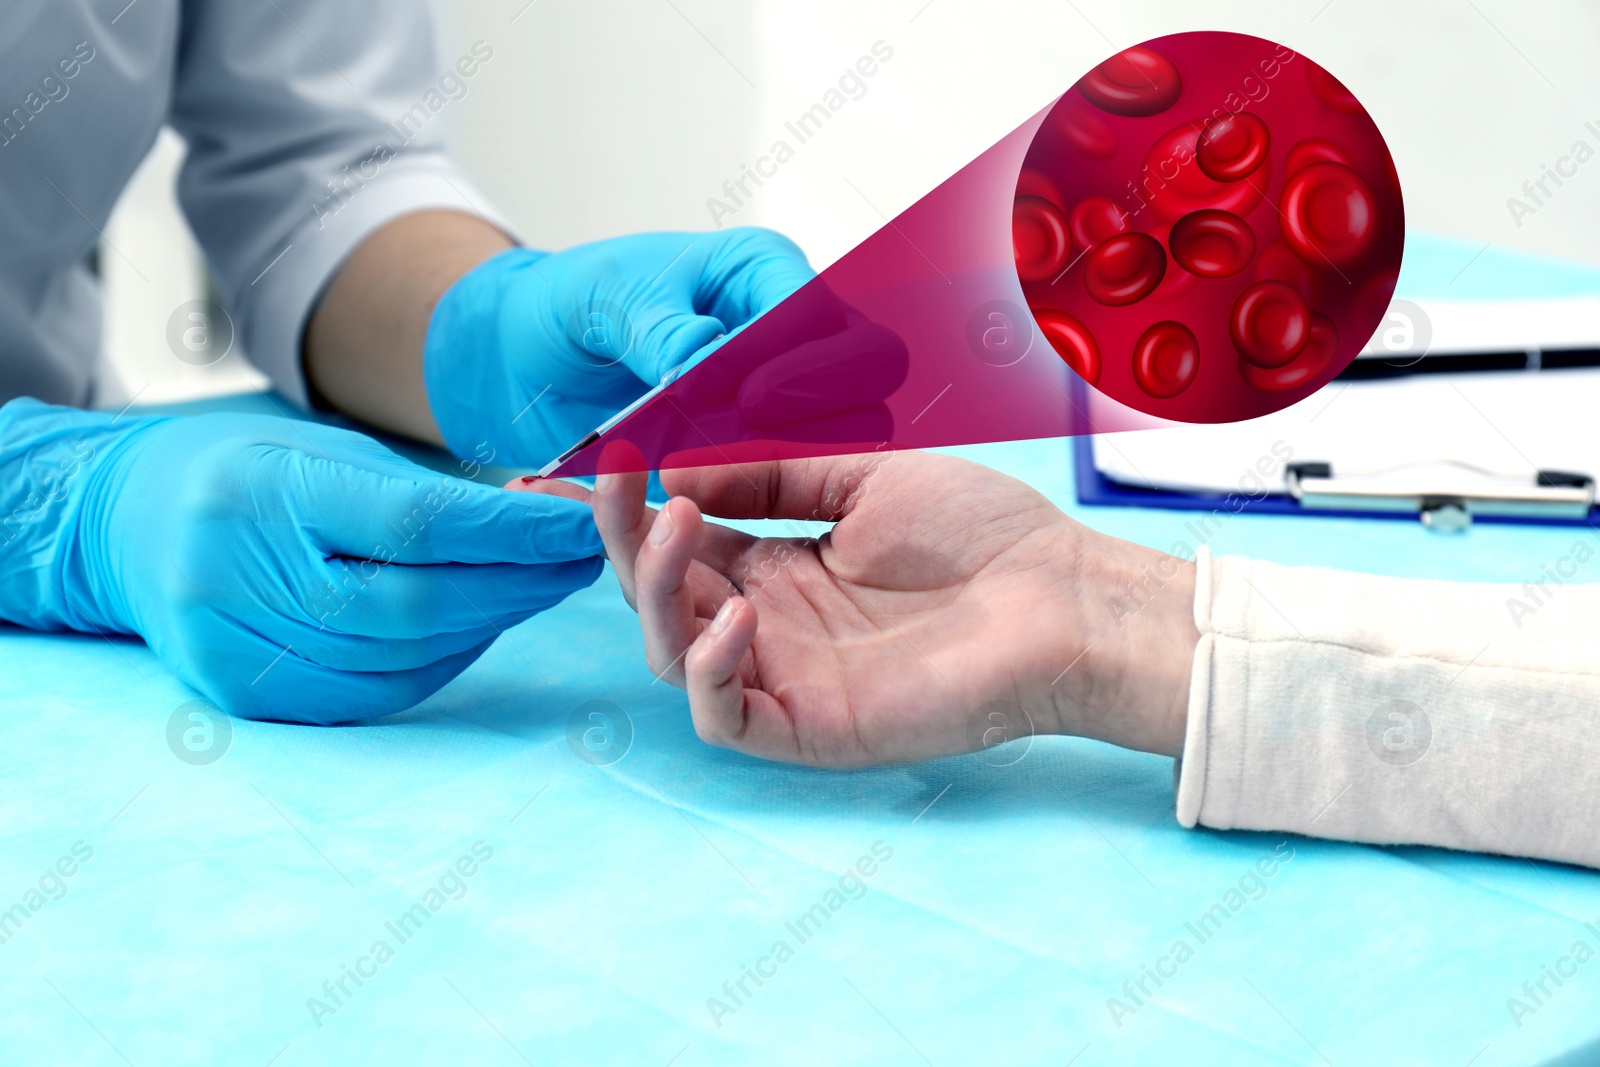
(363,345)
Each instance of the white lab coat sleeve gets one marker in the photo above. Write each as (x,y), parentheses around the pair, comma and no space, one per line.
(1397,711)
(309,125)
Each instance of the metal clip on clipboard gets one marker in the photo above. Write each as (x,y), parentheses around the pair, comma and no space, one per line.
(1445,495)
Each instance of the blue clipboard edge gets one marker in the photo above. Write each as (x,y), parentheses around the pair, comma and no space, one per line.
(1094,489)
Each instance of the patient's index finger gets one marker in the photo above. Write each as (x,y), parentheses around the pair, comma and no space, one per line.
(621,515)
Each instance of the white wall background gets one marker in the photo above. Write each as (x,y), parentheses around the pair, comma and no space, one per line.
(599,117)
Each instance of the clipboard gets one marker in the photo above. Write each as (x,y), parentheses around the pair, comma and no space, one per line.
(1488,412)
(1550,498)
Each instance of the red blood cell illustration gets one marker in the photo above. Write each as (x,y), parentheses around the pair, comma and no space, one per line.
(1233,146)
(1391,173)
(1329,214)
(1124,269)
(1032,183)
(1165,359)
(1331,90)
(1176,284)
(1135,82)
(1277,264)
(1089,134)
(1314,358)
(1228,186)
(1072,341)
(1314,150)
(1039,238)
(1370,305)
(1212,243)
(1173,183)
(1269,324)
(1093,219)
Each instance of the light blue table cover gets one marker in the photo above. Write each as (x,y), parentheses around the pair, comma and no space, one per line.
(617,899)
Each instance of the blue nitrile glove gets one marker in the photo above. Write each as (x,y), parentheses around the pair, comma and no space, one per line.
(529,351)
(284,569)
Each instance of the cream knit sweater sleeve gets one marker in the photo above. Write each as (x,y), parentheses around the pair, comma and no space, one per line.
(1393,710)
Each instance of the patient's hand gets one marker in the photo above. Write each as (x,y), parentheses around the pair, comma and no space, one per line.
(943,587)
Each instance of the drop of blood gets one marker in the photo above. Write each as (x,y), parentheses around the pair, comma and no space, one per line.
(1233,146)
(1329,214)
(1165,359)
(1212,243)
(1134,82)
(1321,347)
(1072,341)
(1039,238)
(1093,219)
(1124,269)
(1269,324)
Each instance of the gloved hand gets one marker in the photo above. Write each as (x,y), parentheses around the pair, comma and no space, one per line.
(529,351)
(286,570)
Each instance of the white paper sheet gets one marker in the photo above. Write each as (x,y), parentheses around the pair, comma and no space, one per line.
(1449,326)
(1512,423)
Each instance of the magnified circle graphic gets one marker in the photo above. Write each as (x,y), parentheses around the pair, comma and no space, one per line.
(603,332)
(1217,218)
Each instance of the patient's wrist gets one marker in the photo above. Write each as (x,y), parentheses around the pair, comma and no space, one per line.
(1130,637)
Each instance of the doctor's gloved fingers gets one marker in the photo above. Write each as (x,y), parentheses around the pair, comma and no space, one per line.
(667,338)
(401,601)
(349,511)
(532,483)
(860,366)
(751,271)
(812,316)
(312,636)
(264,682)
